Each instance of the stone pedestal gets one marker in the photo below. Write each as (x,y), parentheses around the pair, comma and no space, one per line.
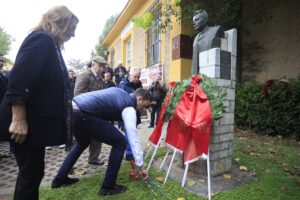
(220,63)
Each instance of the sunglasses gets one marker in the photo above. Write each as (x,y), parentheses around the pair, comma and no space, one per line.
(2,60)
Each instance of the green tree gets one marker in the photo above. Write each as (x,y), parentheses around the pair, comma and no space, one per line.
(99,48)
(76,64)
(224,12)
(5,41)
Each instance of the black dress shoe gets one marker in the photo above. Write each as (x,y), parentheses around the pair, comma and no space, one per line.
(97,162)
(56,183)
(117,189)
(150,126)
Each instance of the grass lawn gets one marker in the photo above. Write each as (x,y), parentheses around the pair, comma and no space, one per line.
(275,162)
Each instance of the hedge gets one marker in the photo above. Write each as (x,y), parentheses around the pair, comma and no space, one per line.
(271,109)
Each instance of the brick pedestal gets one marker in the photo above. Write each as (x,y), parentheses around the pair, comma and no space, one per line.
(220,63)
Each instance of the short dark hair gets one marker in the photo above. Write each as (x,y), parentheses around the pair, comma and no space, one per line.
(201,12)
(145,94)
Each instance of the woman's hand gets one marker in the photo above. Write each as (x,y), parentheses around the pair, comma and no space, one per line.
(18,130)
(18,127)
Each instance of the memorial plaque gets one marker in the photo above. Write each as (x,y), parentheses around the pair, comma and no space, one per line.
(182,46)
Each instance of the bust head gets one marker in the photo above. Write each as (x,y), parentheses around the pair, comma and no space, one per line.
(200,19)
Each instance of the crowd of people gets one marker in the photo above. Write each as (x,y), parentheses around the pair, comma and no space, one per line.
(76,111)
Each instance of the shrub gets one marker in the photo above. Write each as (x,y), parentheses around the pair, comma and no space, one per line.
(273,108)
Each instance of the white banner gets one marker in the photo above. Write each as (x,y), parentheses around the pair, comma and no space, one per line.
(150,74)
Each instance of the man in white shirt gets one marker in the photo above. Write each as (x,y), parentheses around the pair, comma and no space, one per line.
(93,112)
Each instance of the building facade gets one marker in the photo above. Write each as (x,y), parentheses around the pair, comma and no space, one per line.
(270,44)
(137,47)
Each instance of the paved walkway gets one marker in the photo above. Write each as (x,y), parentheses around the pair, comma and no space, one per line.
(54,158)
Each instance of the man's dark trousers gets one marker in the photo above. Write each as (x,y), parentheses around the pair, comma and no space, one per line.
(31,171)
(86,127)
(155,112)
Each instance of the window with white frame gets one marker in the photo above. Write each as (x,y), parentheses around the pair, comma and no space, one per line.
(128,53)
(153,45)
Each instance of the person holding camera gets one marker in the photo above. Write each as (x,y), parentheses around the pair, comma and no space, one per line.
(158,92)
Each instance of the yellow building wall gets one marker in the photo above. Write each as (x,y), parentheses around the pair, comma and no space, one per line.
(180,69)
(137,36)
(118,52)
(174,70)
(138,48)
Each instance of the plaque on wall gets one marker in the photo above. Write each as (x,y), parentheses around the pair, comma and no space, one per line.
(182,47)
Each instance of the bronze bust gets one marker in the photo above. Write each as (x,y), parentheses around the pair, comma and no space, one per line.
(205,37)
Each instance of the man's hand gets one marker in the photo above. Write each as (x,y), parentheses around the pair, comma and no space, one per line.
(18,127)
(143,173)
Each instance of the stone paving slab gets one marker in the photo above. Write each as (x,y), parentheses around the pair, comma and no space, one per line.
(53,161)
(54,158)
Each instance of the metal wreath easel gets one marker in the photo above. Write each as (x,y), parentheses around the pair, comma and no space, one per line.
(163,135)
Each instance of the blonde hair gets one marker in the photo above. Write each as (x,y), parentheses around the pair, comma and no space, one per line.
(57,22)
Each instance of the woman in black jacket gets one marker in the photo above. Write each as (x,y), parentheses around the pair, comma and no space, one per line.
(36,111)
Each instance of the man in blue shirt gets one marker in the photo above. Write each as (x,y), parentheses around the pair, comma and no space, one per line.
(93,112)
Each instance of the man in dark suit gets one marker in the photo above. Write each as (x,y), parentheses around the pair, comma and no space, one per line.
(204,38)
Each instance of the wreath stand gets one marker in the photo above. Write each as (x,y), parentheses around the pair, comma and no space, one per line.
(155,147)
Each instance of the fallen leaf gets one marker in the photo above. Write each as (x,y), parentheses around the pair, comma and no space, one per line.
(272,150)
(220,165)
(79,173)
(286,169)
(243,168)
(253,150)
(180,198)
(253,173)
(268,171)
(237,159)
(292,176)
(285,164)
(191,183)
(202,180)
(227,176)
(159,179)
(254,154)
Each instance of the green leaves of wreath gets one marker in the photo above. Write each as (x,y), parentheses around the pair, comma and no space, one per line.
(215,94)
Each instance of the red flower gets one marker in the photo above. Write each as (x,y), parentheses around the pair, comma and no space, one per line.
(172,84)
